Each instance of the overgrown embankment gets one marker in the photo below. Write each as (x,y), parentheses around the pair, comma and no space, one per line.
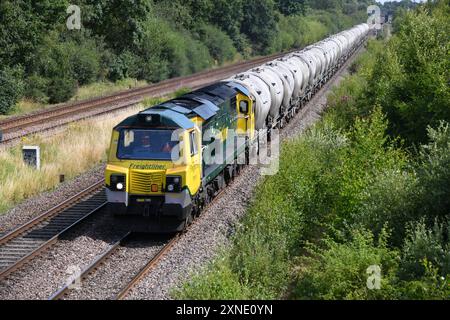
(365,190)
(44,61)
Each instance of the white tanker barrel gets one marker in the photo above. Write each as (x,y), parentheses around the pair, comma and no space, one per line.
(329,52)
(275,86)
(350,37)
(340,47)
(334,50)
(312,66)
(304,71)
(286,77)
(311,55)
(345,39)
(316,63)
(296,73)
(325,54)
(260,94)
(320,55)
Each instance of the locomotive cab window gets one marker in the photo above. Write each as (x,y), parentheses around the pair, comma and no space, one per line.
(144,144)
(193,143)
(243,106)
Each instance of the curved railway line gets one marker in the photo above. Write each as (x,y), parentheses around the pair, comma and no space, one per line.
(19,246)
(16,127)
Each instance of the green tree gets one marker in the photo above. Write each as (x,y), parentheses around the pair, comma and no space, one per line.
(411,80)
(259,24)
(117,21)
(11,88)
(290,7)
(24,24)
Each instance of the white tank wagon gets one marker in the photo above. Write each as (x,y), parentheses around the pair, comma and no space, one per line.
(296,73)
(351,39)
(260,94)
(312,65)
(324,52)
(303,71)
(329,52)
(275,86)
(287,78)
(280,87)
(320,60)
(345,44)
(340,48)
(364,28)
(333,50)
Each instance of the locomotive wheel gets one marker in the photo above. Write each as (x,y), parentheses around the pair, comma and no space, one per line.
(189,219)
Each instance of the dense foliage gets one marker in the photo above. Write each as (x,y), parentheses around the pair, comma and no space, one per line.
(148,39)
(351,196)
(410,82)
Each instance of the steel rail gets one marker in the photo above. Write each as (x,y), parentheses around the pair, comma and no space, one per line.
(92,267)
(31,239)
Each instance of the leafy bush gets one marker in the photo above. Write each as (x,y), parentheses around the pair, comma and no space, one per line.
(125,65)
(85,62)
(219,44)
(423,244)
(433,168)
(198,56)
(61,89)
(36,88)
(339,271)
(410,82)
(220,283)
(11,88)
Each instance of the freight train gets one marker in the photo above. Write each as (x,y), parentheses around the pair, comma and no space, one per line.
(167,162)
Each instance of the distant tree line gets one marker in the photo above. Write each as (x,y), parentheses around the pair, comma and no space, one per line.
(148,39)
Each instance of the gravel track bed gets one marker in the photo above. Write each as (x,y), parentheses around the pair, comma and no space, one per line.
(212,230)
(46,274)
(47,200)
(117,271)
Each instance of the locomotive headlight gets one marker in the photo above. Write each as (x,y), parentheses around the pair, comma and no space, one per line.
(173,183)
(117,182)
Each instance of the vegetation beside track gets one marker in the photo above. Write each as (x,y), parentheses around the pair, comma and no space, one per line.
(42,62)
(367,186)
(77,149)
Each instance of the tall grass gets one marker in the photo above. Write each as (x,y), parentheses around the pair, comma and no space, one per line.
(106,87)
(79,148)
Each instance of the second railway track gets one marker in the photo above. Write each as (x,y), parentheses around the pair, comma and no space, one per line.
(22,244)
(16,127)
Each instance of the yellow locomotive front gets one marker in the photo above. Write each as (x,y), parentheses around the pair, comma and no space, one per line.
(154,169)
(168,161)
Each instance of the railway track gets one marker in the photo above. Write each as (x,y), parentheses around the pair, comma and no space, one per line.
(109,257)
(65,291)
(16,127)
(22,244)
